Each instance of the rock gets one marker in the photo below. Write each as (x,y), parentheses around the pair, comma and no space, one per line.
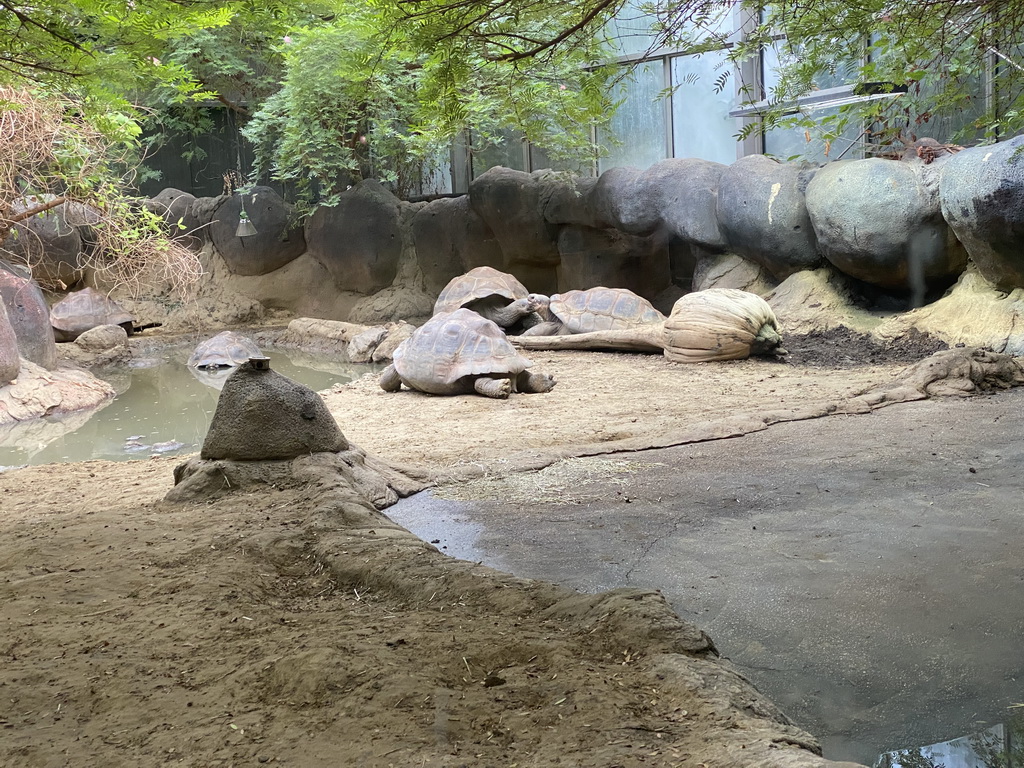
(608,257)
(263,415)
(277,240)
(728,270)
(103,337)
(972,313)
(10,360)
(982,195)
(38,392)
(353,473)
(29,316)
(817,300)
(509,203)
(176,209)
(763,217)
(684,191)
(391,304)
(451,238)
(358,241)
(877,221)
(48,242)
(362,346)
(566,200)
(396,334)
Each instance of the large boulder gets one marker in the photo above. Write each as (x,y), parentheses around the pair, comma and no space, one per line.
(359,241)
(982,195)
(451,238)
(29,316)
(10,360)
(277,241)
(684,191)
(614,259)
(565,199)
(763,217)
(176,209)
(616,201)
(50,242)
(262,415)
(879,221)
(509,203)
(38,392)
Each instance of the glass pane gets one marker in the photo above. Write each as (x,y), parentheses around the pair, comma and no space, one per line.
(629,33)
(640,123)
(539,160)
(507,153)
(784,143)
(705,91)
(775,57)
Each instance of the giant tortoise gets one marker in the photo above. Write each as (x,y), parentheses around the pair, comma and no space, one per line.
(595,309)
(86,309)
(461,352)
(498,296)
(714,324)
(227,349)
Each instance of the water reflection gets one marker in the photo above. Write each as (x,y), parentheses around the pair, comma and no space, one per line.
(162,407)
(1001,746)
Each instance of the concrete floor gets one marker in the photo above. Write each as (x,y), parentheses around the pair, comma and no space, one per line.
(866,572)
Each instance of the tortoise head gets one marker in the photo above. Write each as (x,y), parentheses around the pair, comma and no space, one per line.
(540,304)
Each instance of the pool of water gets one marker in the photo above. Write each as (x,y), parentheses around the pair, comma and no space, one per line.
(162,407)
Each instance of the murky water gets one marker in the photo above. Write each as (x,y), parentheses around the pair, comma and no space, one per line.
(162,408)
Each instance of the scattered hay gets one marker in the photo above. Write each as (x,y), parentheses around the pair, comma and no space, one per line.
(566,482)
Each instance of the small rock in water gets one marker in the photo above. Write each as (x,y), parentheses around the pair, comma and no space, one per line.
(134,446)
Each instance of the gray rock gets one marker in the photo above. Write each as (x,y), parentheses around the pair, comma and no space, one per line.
(451,238)
(608,257)
(879,221)
(617,200)
(48,242)
(103,337)
(509,203)
(359,241)
(685,194)
(29,316)
(362,346)
(763,217)
(277,240)
(566,200)
(982,195)
(176,209)
(263,415)
(10,360)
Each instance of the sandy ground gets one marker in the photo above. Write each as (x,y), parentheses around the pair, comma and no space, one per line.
(299,626)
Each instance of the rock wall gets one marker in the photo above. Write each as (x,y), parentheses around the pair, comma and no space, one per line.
(890,233)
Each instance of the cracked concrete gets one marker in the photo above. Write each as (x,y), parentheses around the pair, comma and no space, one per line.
(864,571)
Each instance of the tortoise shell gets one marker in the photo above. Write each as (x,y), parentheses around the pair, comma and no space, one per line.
(225,350)
(602,309)
(452,348)
(83,310)
(480,283)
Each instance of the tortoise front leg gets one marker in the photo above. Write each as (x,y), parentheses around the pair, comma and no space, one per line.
(390,381)
(535,382)
(497,388)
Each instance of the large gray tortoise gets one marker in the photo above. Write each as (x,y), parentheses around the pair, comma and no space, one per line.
(86,309)
(498,296)
(595,309)
(227,349)
(461,352)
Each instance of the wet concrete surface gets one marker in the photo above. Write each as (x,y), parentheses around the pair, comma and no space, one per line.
(865,572)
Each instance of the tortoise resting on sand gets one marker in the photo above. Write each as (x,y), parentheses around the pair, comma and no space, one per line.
(225,350)
(498,296)
(714,324)
(86,309)
(595,309)
(461,352)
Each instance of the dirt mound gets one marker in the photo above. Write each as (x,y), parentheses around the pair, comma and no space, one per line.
(842,347)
